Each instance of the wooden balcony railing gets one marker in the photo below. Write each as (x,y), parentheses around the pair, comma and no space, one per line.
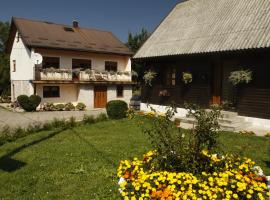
(54,74)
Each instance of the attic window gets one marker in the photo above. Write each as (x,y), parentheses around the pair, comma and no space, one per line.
(68,29)
(18,37)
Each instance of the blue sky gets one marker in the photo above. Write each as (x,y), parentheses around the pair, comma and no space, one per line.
(118,16)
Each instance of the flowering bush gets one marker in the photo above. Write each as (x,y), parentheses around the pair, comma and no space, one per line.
(235,178)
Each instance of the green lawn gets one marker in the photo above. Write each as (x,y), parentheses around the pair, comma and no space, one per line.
(82,163)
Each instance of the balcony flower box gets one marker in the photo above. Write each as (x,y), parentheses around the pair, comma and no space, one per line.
(55,76)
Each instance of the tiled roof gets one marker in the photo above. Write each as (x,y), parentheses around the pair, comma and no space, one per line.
(203,26)
(51,35)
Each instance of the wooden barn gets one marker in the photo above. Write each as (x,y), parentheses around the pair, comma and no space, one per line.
(211,39)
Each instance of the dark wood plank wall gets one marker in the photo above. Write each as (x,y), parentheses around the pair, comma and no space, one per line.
(199,94)
(253,100)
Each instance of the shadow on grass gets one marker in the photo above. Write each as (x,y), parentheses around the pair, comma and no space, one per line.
(101,154)
(8,164)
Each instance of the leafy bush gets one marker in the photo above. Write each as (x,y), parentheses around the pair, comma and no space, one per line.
(29,104)
(69,107)
(241,76)
(48,107)
(116,109)
(179,151)
(80,106)
(59,107)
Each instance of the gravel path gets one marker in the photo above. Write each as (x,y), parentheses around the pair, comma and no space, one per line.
(15,119)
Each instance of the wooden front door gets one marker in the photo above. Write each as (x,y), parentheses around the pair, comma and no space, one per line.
(216,96)
(100,96)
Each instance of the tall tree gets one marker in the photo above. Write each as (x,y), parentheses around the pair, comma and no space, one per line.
(4,61)
(135,41)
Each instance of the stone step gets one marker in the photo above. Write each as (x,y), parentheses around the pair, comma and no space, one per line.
(228,114)
(234,124)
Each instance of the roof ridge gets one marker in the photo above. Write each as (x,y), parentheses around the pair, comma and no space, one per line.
(65,25)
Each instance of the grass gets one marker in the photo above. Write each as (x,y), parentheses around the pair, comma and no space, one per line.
(81,163)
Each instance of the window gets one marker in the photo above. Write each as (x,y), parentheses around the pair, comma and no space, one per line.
(49,62)
(81,63)
(51,91)
(171,77)
(14,66)
(120,91)
(111,66)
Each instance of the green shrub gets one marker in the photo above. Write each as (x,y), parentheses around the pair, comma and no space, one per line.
(80,106)
(59,107)
(29,104)
(88,119)
(116,109)
(69,107)
(101,117)
(49,107)
(182,151)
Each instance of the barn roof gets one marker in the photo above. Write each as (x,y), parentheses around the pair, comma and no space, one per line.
(204,26)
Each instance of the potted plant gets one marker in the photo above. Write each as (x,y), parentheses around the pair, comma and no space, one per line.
(149,76)
(240,77)
(76,74)
(187,77)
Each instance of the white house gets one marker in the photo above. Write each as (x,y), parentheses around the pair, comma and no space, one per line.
(79,64)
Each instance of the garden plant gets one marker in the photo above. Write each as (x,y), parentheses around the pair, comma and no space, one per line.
(188,165)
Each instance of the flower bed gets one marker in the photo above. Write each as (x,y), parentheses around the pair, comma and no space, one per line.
(231,178)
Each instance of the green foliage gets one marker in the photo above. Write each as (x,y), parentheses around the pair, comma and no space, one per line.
(80,106)
(69,107)
(4,61)
(98,148)
(187,77)
(240,77)
(178,151)
(59,107)
(149,76)
(101,117)
(29,104)
(116,109)
(88,119)
(48,107)
(135,41)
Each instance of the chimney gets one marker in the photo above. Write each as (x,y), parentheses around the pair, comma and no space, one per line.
(75,24)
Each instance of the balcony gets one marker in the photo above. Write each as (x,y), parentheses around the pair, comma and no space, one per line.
(77,75)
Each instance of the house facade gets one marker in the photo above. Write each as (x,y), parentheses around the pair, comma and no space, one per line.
(210,39)
(78,64)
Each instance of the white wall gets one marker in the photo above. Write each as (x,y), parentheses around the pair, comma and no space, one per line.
(21,78)
(24,65)
(68,93)
(86,95)
(112,94)
(98,60)
(181,112)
